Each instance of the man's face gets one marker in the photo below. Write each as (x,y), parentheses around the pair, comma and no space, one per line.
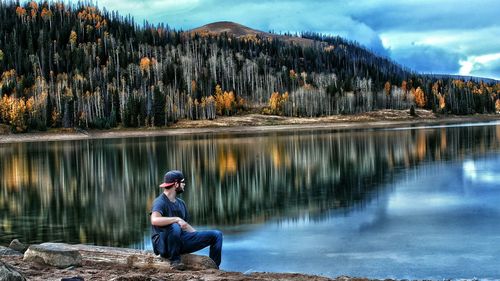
(179,187)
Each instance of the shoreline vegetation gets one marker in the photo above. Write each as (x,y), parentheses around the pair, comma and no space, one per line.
(257,123)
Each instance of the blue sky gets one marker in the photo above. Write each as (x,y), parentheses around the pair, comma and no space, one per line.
(448,36)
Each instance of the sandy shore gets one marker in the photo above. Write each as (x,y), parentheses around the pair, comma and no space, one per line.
(256,123)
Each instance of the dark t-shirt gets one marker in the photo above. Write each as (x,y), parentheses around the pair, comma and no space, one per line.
(168,208)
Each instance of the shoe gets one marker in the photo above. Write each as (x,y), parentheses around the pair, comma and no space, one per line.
(178,265)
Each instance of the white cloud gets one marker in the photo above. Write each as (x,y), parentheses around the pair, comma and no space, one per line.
(474,65)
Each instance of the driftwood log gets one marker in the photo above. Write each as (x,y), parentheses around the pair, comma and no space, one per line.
(132,257)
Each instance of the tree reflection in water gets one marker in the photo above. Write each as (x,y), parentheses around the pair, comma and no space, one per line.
(100,191)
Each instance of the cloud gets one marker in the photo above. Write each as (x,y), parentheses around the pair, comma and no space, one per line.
(483,66)
(428,59)
(425,15)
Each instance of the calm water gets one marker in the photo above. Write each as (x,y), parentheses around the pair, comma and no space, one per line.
(406,203)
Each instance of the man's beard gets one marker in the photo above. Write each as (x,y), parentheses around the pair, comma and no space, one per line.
(179,190)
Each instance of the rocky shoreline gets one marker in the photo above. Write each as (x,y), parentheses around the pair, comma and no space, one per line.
(258,123)
(59,261)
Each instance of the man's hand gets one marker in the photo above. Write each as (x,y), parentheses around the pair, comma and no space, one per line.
(185,226)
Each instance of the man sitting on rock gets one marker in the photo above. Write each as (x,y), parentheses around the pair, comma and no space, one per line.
(172,235)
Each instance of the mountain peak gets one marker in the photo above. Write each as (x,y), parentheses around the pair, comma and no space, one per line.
(231,28)
(238,30)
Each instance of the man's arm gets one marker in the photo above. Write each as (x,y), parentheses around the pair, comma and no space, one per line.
(158,220)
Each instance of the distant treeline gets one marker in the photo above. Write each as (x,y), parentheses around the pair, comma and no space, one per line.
(77,66)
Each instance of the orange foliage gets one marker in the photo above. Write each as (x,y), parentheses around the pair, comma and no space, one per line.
(274,101)
(458,83)
(442,102)
(421,144)
(20,11)
(92,17)
(46,14)
(497,105)
(435,88)
(33,5)
(229,100)
(404,86)
(145,64)
(227,162)
(420,97)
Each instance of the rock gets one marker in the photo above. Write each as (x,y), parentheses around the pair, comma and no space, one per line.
(4,251)
(76,278)
(53,254)
(196,262)
(18,246)
(8,273)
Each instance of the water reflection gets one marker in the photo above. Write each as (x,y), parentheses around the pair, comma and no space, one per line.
(100,191)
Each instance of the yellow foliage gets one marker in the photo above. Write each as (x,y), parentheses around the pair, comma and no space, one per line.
(497,105)
(8,75)
(5,105)
(226,102)
(193,86)
(55,118)
(387,88)
(329,48)
(458,83)
(420,97)
(219,99)
(72,38)
(276,102)
(17,114)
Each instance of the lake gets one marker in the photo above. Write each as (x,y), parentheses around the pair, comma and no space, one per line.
(417,202)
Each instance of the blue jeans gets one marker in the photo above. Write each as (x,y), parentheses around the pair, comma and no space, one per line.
(173,242)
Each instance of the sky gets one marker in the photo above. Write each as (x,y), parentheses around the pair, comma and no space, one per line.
(440,37)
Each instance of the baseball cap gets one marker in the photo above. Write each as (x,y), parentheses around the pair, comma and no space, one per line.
(171,177)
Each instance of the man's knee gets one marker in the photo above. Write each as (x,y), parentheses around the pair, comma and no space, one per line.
(217,234)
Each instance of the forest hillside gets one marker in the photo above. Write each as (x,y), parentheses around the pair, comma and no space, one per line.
(78,66)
